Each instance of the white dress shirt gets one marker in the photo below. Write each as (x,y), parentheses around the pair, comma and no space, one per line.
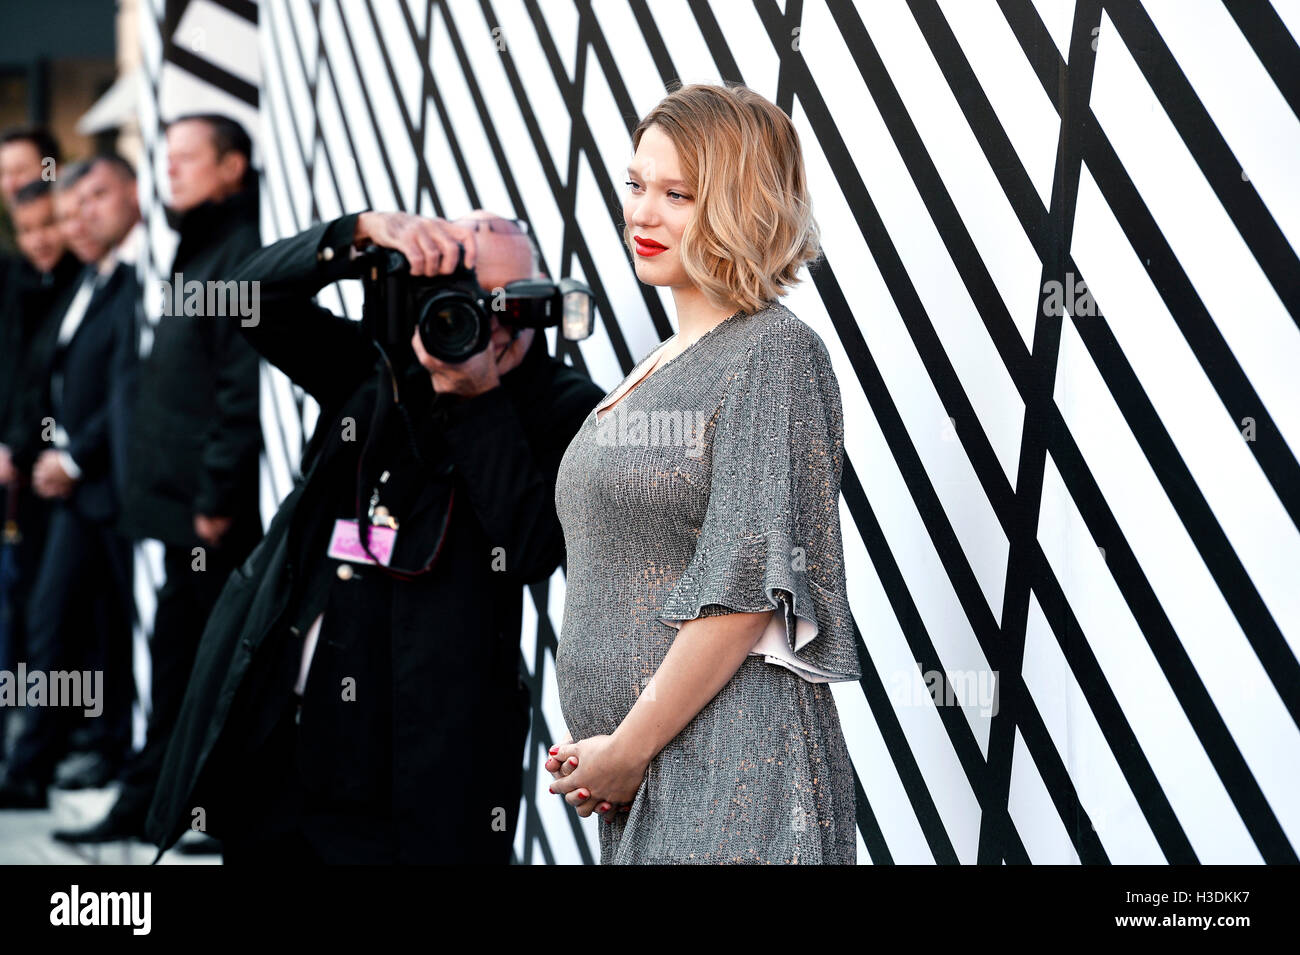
(127,251)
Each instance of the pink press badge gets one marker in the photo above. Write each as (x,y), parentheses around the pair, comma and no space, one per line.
(345,543)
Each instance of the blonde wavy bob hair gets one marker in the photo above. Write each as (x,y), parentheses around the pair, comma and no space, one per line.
(752,228)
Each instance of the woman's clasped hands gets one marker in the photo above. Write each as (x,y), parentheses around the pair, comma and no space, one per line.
(596,775)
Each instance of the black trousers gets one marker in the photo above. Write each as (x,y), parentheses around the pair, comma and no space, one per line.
(278,807)
(279,821)
(32,516)
(184,603)
(85,567)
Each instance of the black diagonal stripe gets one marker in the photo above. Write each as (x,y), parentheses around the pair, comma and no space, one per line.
(614,80)
(873,837)
(321,145)
(580,130)
(279,127)
(449,130)
(542,735)
(363,89)
(412,130)
(952,231)
(965,585)
(263,369)
(609,68)
(1210,151)
(568,202)
(265,175)
(990,135)
(312,83)
(347,130)
(623,101)
(784,91)
(654,42)
(1272,43)
(1279,466)
(1185,307)
(1169,652)
(533,125)
(152,138)
(212,74)
(912,625)
(929,347)
(1020,193)
(295,391)
(726,64)
(1184,681)
(883,711)
(988,302)
(1256,621)
(245,9)
(573,242)
(1077,85)
(1171,656)
(424,176)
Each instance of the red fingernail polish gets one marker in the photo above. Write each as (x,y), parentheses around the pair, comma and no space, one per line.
(573,760)
(550,790)
(583,794)
(554,749)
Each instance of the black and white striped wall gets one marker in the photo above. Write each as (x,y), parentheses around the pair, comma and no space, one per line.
(1061,294)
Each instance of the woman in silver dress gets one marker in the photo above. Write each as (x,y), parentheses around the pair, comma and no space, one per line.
(706,610)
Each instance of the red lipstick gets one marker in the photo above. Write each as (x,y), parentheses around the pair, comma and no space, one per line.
(648,247)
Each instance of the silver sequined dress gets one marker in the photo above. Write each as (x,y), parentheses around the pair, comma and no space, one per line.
(713,487)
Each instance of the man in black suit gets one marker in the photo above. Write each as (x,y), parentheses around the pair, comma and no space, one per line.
(29,305)
(191,469)
(85,558)
(349,709)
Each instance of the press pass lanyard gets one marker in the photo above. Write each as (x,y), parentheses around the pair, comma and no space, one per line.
(372,514)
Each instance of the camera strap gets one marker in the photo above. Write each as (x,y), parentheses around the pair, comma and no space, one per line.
(387,381)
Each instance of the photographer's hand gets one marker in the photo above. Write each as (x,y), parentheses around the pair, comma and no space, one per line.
(478,373)
(429,244)
(471,377)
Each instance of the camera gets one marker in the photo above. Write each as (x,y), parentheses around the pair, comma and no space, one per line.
(454,314)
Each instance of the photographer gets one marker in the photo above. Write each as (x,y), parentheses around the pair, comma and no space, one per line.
(331,696)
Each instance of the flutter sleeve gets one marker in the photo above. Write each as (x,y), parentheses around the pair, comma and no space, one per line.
(770,537)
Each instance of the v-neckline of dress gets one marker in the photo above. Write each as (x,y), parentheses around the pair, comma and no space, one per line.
(626,391)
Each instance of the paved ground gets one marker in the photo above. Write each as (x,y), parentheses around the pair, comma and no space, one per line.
(25,835)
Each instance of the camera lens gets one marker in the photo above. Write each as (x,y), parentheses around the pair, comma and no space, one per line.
(449,326)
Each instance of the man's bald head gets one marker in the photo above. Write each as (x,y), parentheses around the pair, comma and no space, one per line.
(505,252)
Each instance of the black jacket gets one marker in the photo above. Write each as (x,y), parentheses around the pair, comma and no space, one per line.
(31,307)
(195,434)
(83,400)
(450,638)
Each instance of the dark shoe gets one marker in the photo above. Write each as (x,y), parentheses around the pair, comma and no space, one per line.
(95,772)
(199,847)
(19,793)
